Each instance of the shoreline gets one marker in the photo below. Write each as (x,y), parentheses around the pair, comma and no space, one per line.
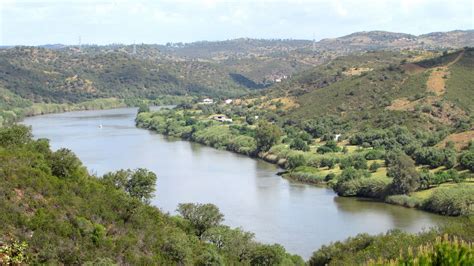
(273,159)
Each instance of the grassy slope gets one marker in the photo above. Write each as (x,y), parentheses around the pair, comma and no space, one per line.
(364,98)
(460,84)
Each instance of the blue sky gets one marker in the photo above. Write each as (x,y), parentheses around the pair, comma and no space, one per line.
(33,22)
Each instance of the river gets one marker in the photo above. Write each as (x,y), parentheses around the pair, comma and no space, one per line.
(248,191)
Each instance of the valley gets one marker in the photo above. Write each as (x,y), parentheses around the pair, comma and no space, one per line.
(347,150)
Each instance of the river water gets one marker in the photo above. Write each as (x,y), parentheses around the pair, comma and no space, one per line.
(248,191)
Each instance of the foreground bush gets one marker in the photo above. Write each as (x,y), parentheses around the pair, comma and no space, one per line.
(443,252)
(399,248)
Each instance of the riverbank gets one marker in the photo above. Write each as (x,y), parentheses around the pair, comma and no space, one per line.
(19,109)
(16,114)
(350,170)
(246,190)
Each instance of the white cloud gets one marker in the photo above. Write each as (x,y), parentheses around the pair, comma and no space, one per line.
(35,22)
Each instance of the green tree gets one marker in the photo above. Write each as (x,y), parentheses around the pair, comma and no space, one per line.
(201,216)
(65,164)
(267,255)
(143,108)
(299,144)
(233,242)
(118,179)
(405,177)
(15,135)
(467,160)
(141,184)
(266,135)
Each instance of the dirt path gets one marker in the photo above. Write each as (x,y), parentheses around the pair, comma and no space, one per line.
(436,82)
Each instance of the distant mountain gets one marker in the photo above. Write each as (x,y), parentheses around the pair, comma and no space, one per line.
(383,40)
(46,75)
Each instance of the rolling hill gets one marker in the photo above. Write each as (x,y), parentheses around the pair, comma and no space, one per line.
(379,88)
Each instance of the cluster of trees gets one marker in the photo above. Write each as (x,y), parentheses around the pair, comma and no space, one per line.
(204,220)
(287,143)
(419,145)
(241,139)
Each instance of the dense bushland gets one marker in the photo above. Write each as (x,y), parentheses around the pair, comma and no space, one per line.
(53,212)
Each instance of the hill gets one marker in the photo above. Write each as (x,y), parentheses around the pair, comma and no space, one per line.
(382,88)
(43,75)
(383,40)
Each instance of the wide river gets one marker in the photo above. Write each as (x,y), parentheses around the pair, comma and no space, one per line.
(247,191)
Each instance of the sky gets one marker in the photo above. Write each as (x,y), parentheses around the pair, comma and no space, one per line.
(36,22)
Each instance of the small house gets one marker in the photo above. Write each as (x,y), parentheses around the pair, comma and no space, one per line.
(228,101)
(207,101)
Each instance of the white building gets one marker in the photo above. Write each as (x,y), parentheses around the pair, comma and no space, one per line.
(207,101)
(228,101)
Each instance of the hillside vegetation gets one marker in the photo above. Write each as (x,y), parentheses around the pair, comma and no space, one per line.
(53,212)
(389,91)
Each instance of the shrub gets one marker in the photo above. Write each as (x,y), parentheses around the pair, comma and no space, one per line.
(453,201)
(299,144)
(443,252)
(143,108)
(306,177)
(65,164)
(374,167)
(467,160)
(372,187)
(329,146)
(295,160)
(404,200)
(267,255)
(374,154)
(359,162)
(328,161)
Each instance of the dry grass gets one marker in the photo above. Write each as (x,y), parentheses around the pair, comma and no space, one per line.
(436,82)
(460,140)
(356,71)
(413,68)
